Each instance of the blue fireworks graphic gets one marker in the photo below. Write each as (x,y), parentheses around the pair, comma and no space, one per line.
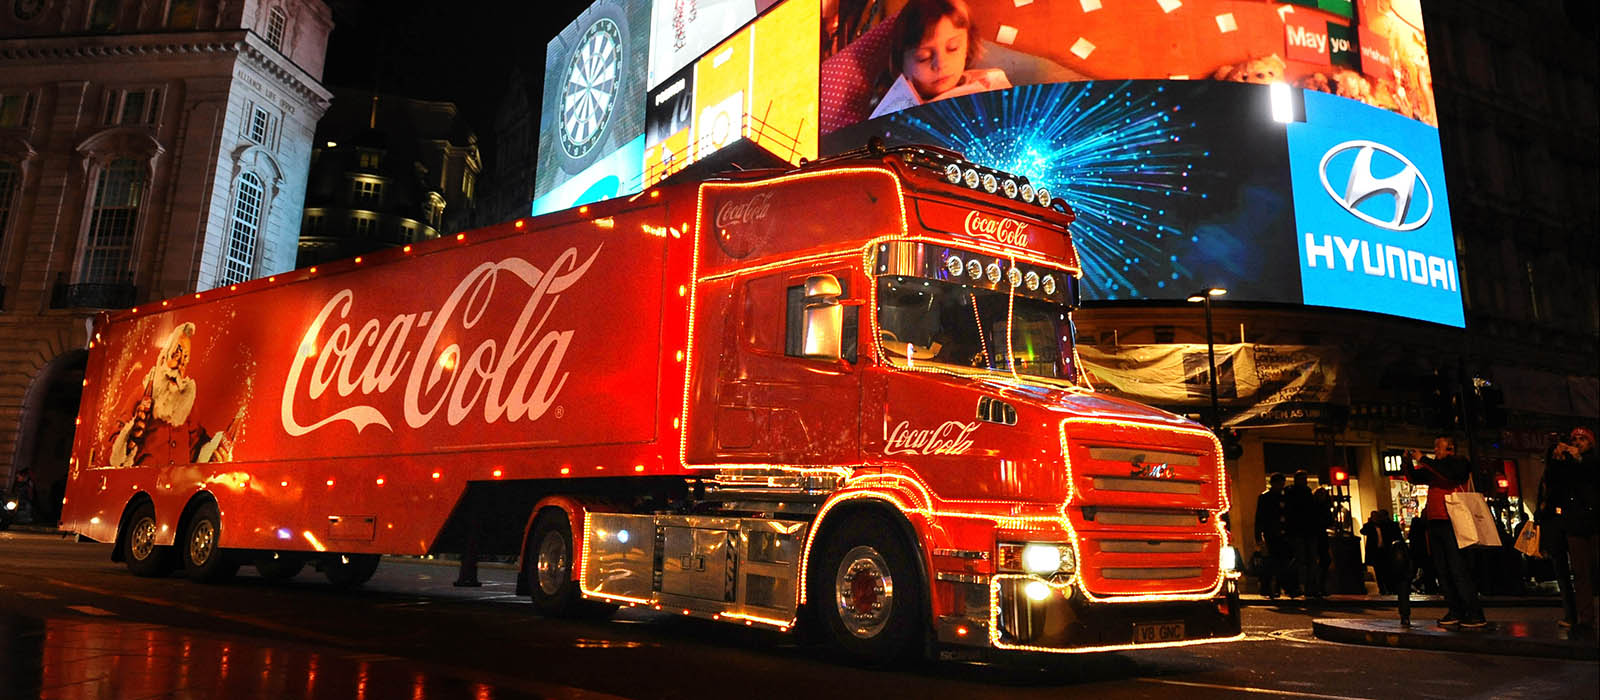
(1116,152)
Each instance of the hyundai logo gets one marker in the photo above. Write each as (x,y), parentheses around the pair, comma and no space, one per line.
(1362,186)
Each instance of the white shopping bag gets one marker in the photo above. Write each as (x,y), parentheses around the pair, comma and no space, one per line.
(1471,520)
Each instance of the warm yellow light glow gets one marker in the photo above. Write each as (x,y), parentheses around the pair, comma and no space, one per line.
(358,260)
(498,473)
(315,543)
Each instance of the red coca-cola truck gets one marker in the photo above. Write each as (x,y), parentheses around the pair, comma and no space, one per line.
(843,394)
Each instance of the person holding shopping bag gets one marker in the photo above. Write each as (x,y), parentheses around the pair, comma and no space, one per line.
(1445,473)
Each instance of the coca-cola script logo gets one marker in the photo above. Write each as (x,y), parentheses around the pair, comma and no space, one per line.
(998,229)
(744,212)
(948,439)
(513,377)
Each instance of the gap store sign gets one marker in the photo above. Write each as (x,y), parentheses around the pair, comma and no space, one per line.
(1371,214)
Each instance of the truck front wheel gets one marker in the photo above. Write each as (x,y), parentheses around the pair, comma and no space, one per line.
(139,549)
(549,565)
(866,590)
(203,557)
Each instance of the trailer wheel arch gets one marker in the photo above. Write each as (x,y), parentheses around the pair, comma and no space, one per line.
(120,540)
(193,505)
(848,506)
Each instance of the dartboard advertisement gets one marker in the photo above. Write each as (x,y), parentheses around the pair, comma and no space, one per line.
(594,71)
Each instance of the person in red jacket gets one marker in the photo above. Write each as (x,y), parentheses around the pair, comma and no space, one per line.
(1446,473)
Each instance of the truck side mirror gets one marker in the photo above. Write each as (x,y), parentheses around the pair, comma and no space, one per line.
(822,324)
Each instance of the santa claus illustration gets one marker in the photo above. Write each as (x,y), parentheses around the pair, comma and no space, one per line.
(160,430)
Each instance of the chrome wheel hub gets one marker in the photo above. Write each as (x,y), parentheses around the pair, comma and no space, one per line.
(142,539)
(553,563)
(202,542)
(864,592)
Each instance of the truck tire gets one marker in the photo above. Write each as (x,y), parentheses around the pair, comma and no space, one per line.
(279,566)
(350,570)
(204,559)
(866,590)
(549,565)
(139,549)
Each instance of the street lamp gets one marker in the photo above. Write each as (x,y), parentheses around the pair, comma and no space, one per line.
(1204,297)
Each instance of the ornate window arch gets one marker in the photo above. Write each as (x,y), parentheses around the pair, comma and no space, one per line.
(118,165)
(244,232)
(257,179)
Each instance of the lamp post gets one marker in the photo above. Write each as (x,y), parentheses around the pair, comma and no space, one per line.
(1203,297)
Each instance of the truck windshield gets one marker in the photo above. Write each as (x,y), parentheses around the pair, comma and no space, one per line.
(924,323)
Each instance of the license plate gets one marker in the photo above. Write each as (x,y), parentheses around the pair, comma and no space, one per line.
(1157,632)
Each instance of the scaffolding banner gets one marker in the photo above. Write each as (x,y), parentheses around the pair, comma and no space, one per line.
(1261,385)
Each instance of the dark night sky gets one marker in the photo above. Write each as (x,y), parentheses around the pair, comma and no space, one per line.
(460,51)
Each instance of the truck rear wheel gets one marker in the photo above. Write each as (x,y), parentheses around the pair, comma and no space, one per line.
(549,565)
(204,560)
(139,549)
(865,588)
(350,570)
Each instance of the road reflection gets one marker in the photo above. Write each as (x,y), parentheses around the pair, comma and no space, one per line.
(89,659)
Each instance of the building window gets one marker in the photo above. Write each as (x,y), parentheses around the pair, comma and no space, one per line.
(260,125)
(369,160)
(128,107)
(108,250)
(367,192)
(276,21)
(10,180)
(313,226)
(16,109)
(240,263)
(103,18)
(362,226)
(182,14)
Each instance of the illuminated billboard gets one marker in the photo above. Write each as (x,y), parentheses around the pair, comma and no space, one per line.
(593,90)
(1152,118)
(1373,51)
(1181,185)
(758,84)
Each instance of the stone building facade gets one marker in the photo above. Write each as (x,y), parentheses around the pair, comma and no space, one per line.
(148,149)
(386,171)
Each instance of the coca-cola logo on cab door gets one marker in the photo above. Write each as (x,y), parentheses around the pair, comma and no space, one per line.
(514,374)
(998,229)
(734,221)
(951,438)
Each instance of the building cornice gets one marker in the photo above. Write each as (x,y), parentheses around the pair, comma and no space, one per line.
(90,48)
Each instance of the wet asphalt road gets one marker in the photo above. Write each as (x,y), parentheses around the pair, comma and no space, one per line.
(75,625)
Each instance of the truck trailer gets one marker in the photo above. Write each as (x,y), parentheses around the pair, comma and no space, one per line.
(842,396)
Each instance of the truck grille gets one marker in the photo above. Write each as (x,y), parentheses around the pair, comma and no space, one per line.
(1143,506)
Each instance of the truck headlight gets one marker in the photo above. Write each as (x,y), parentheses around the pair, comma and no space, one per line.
(1230,559)
(1041,558)
(1037,558)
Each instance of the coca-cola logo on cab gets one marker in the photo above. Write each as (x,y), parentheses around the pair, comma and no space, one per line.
(513,374)
(951,438)
(737,212)
(998,229)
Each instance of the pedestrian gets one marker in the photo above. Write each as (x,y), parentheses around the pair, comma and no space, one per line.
(1553,534)
(1445,473)
(1380,532)
(1571,471)
(1427,580)
(23,489)
(1272,536)
(1308,519)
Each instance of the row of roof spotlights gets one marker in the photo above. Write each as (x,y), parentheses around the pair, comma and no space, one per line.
(976,270)
(956,175)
